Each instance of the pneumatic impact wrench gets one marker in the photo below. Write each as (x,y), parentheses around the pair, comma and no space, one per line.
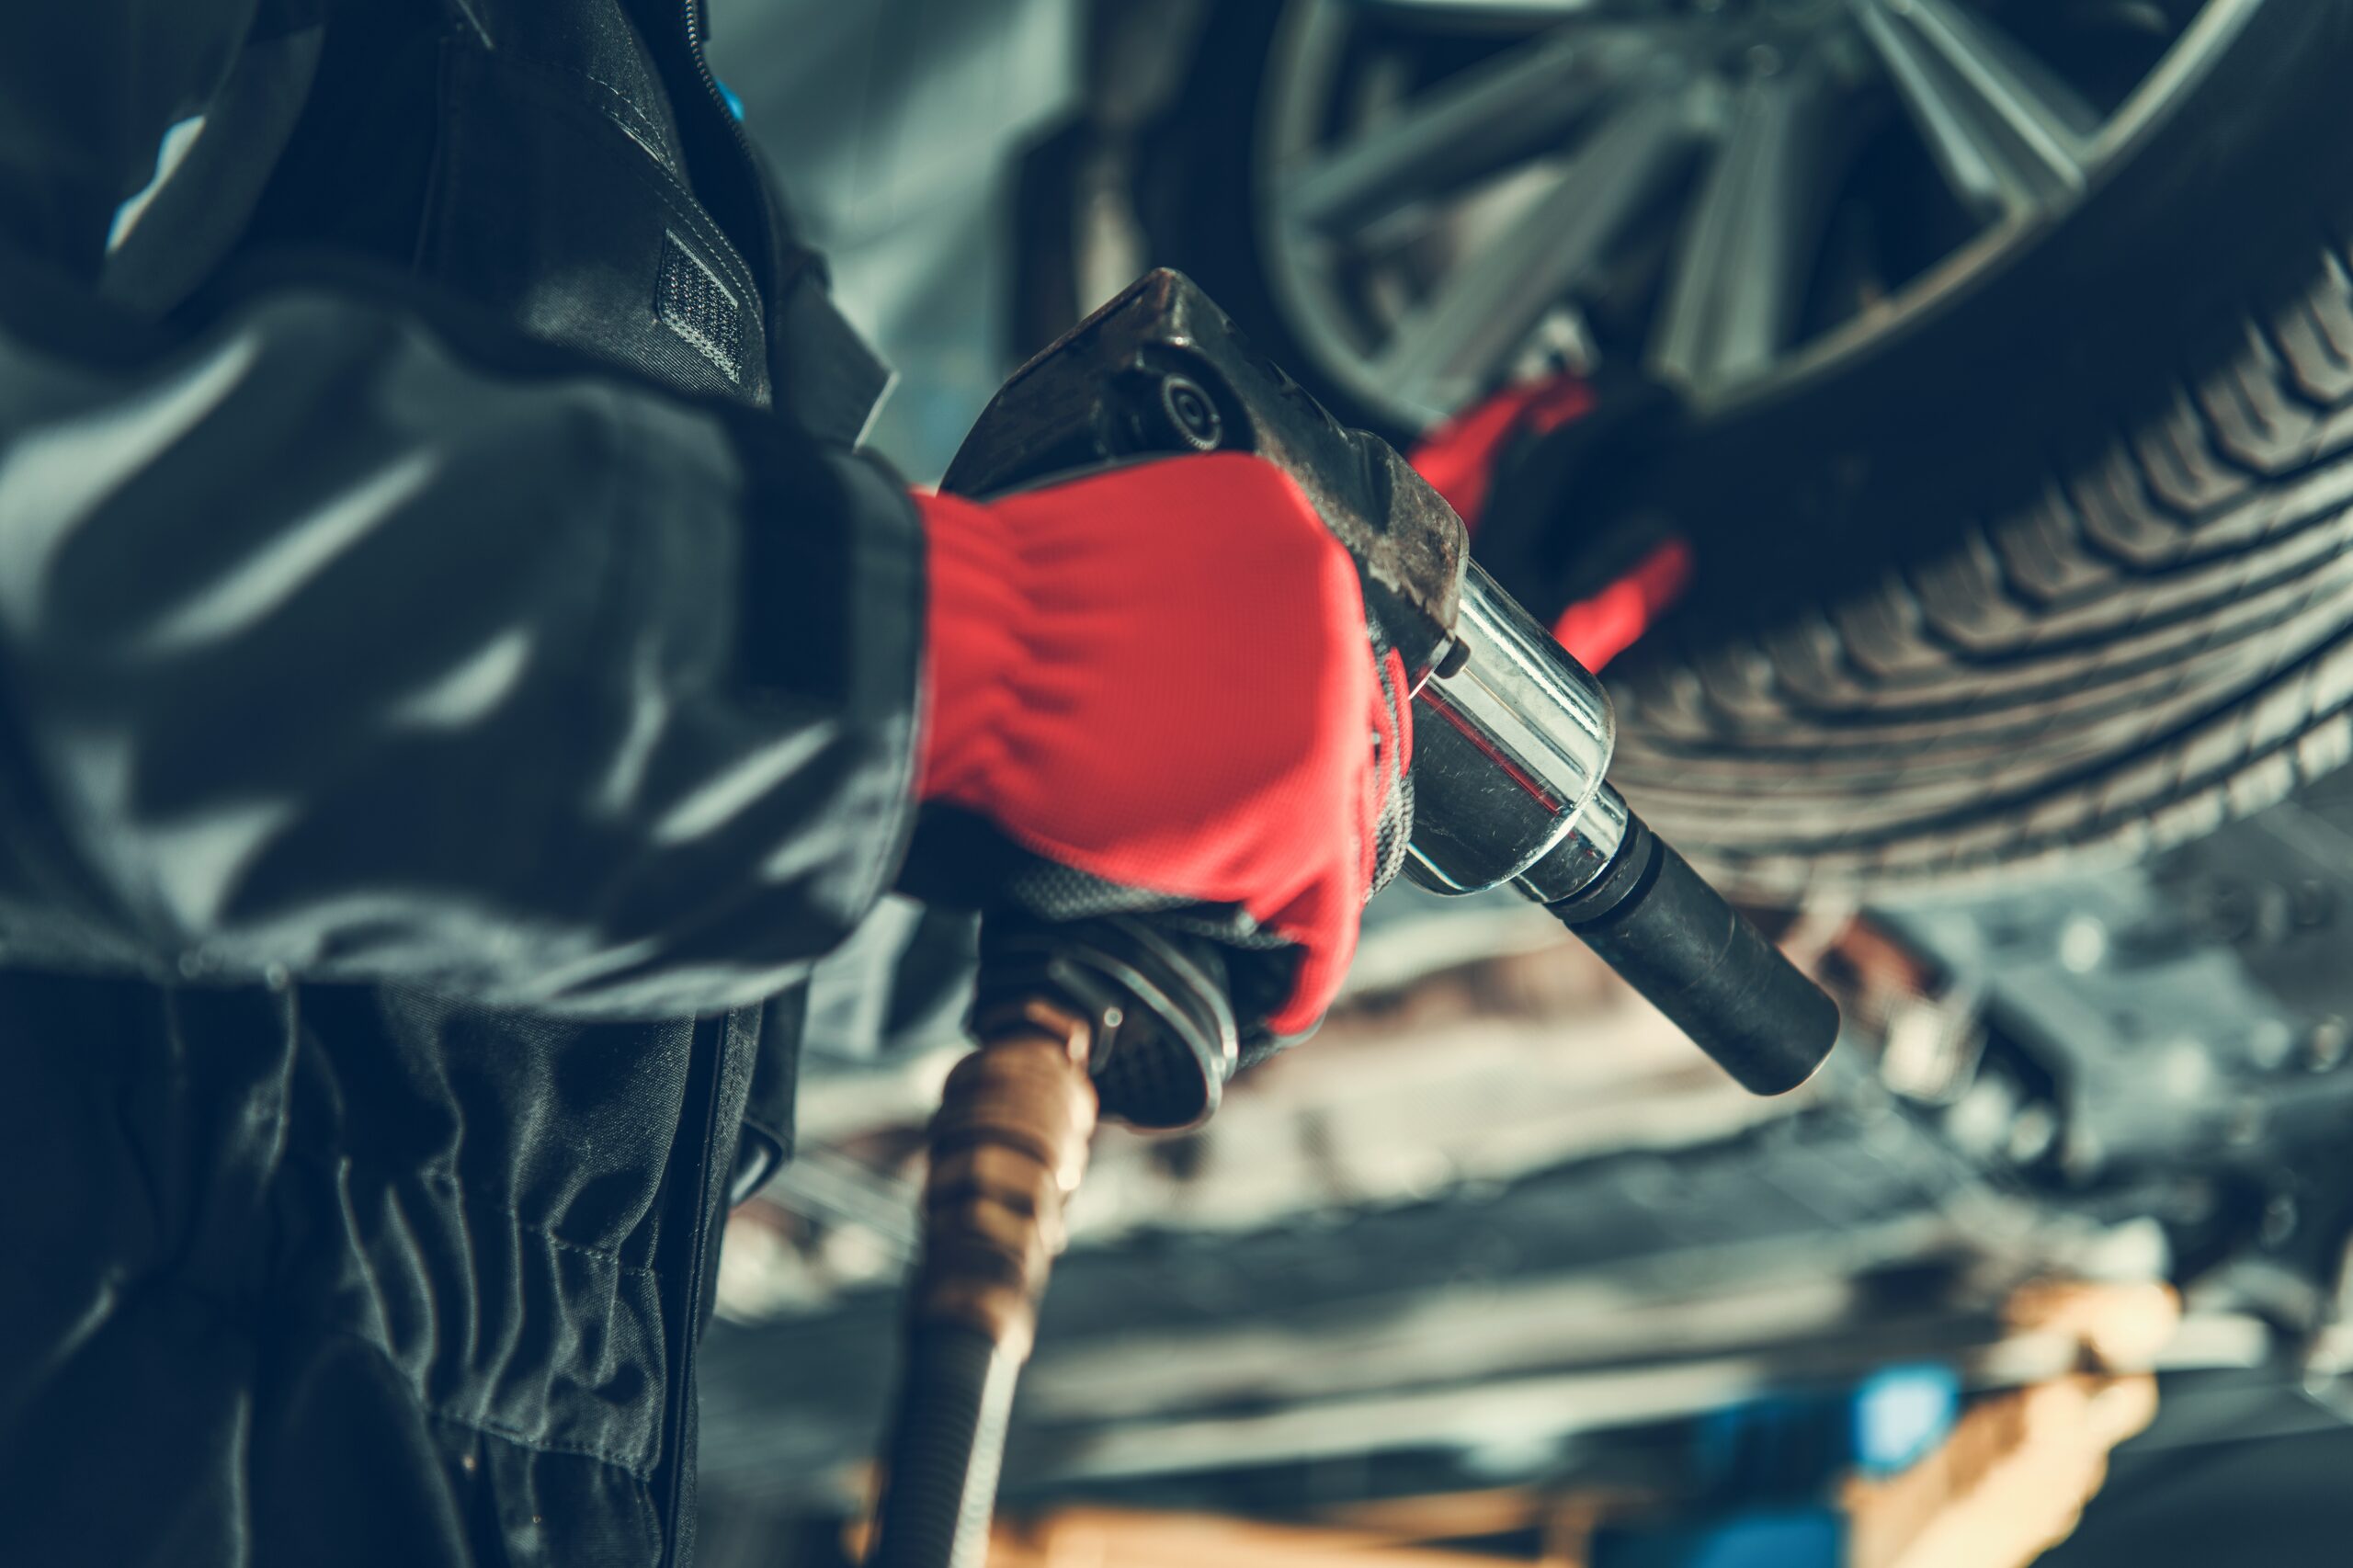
(1512,743)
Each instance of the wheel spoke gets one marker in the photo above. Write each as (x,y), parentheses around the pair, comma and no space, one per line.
(1512,108)
(1450,348)
(2008,135)
(1742,263)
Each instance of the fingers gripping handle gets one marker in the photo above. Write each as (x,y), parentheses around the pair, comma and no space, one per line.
(1651,918)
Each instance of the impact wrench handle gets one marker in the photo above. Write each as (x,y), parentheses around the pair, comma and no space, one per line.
(1009,1146)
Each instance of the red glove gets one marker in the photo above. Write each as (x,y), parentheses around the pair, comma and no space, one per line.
(1160,678)
(1462,458)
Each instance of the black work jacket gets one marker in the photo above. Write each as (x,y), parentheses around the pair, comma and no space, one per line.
(458,676)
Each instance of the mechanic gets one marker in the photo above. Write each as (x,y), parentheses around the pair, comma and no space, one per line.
(460,674)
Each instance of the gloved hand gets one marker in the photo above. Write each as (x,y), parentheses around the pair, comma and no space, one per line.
(1157,684)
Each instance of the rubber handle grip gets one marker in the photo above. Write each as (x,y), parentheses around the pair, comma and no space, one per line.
(1656,922)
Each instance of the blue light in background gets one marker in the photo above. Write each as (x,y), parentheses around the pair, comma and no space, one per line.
(1900,1415)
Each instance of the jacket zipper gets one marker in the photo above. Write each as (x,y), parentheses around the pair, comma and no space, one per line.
(708,1062)
(759,244)
(707,1222)
(693,14)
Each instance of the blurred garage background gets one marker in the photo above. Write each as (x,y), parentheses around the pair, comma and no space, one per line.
(1990,362)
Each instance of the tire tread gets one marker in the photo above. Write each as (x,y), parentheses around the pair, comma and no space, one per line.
(2161,638)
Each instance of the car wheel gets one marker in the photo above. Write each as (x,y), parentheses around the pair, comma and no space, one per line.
(2013,347)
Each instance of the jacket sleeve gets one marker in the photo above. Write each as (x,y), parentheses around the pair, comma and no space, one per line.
(329,651)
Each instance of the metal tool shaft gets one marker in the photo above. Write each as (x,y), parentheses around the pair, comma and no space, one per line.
(1512,746)
(1671,936)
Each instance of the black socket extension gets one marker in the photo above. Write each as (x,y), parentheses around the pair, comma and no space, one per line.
(1656,922)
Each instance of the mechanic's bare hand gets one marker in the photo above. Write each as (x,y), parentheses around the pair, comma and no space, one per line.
(1159,680)
(2012,1479)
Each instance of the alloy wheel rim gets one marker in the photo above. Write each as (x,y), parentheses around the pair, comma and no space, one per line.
(1679,183)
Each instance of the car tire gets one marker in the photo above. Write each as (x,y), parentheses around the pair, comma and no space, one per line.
(2057,571)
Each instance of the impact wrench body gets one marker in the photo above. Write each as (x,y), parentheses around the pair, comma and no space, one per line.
(1512,743)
